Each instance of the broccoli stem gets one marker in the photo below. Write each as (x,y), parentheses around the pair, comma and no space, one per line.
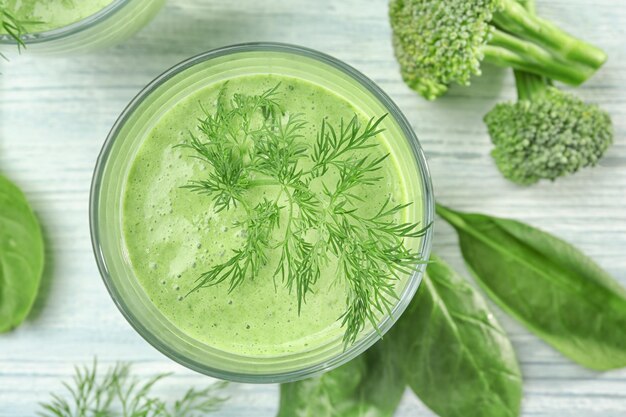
(508,51)
(530,86)
(516,19)
(527,42)
(529,5)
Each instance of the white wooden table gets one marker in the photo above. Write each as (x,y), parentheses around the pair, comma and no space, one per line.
(56,113)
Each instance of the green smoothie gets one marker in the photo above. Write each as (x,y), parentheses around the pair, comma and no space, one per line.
(173,235)
(51,14)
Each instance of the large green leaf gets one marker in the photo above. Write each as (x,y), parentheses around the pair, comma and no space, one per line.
(457,358)
(447,346)
(369,386)
(21,256)
(551,287)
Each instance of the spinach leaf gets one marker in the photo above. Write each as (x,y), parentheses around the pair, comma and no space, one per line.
(447,346)
(21,256)
(551,287)
(369,386)
(457,358)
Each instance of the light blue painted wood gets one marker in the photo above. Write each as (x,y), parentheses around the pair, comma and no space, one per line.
(56,112)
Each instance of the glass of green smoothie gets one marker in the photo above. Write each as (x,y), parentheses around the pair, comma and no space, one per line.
(261,213)
(66,26)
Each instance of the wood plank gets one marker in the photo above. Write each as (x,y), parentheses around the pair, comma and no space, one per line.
(56,112)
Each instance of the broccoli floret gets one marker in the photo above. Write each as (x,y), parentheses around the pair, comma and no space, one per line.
(439,42)
(547,133)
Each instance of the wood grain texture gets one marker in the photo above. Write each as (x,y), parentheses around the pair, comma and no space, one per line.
(55,114)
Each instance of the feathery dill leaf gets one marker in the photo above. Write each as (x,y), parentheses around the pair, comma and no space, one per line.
(119,394)
(13,27)
(249,141)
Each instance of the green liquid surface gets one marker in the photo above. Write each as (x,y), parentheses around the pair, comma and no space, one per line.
(43,15)
(172,235)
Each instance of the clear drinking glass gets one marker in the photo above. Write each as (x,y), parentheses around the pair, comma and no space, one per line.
(118,154)
(111,25)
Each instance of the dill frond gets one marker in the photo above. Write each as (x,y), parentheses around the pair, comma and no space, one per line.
(250,142)
(119,393)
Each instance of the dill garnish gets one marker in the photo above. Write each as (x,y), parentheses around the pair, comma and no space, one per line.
(119,393)
(13,27)
(250,141)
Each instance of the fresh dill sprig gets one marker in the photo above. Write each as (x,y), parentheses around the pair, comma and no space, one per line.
(119,394)
(250,142)
(13,27)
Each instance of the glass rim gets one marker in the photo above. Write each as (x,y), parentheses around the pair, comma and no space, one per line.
(66,31)
(366,340)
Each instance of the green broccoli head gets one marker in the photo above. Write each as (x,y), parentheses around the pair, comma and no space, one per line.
(548,135)
(439,42)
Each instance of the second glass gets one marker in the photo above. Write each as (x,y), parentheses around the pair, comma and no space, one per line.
(96,26)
